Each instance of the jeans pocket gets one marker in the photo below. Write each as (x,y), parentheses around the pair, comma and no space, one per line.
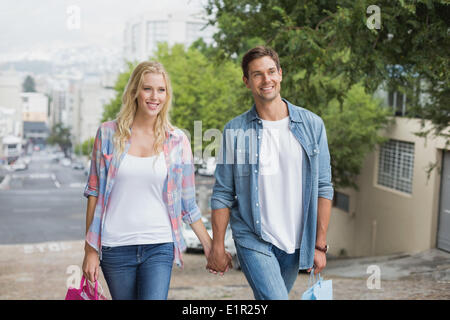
(106,248)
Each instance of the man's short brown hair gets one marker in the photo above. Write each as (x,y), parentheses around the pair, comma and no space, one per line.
(259,52)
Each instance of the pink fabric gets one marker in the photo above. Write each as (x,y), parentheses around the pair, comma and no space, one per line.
(85,292)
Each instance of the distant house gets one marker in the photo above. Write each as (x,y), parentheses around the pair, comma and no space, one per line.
(36,132)
(398,207)
(143,33)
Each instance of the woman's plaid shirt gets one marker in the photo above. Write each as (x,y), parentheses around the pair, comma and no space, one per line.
(179,187)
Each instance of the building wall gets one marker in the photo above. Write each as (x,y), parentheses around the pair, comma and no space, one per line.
(173,26)
(386,221)
(34,107)
(10,89)
(94,96)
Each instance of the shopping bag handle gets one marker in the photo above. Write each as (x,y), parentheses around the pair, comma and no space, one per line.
(313,278)
(85,280)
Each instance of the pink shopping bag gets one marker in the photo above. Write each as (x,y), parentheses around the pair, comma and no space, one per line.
(85,292)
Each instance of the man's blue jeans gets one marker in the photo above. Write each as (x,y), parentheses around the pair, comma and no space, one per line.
(271,277)
(138,272)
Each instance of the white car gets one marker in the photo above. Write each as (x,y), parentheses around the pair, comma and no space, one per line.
(208,168)
(65,162)
(231,248)
(19,164)
(192,242)
(87,168)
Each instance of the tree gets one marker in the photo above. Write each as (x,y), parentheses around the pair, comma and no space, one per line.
(203,91)
(327,48)
(85,148)
(28,85)
(61,135)
(338,36)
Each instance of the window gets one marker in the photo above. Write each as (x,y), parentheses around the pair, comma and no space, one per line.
(341,201)
(157,31)
(397,101)
(196,30)
(134,37)
(396,164)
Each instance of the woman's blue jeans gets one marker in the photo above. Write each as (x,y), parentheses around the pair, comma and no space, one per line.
(138,272)
(270,275)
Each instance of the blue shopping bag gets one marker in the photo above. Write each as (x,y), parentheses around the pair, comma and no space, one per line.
(318,289)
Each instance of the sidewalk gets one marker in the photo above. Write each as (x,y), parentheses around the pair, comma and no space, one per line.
(43,271)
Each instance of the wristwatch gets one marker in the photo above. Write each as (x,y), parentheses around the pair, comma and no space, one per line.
(323,249)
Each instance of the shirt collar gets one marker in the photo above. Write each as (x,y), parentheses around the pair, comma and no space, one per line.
(293,114)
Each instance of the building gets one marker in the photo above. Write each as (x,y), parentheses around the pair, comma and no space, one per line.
(11,128)
(142,34)
(36,132)
(400,207)
(94,96)
(10,90)
(10,145)
(34,107)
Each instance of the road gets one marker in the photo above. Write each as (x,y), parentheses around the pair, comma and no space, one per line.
(42,221)
(43,203)
(46,203)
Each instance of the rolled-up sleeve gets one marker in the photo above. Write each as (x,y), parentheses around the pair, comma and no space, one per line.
(92,185)
(190,211)
(223,195)
(325,184)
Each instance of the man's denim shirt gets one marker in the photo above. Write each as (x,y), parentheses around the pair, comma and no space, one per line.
(237,177)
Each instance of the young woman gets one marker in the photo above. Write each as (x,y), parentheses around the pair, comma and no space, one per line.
(140,188)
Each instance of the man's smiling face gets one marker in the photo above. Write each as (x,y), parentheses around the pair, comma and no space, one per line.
(264,79)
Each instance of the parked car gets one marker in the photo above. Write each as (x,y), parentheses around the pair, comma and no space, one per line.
(194,245)
(57,156)
(78,165)
(26,159)
(19,164)
(87,167)
(208,167)
(65,162)
(192,242)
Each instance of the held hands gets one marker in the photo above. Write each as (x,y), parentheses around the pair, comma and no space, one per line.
(219,261)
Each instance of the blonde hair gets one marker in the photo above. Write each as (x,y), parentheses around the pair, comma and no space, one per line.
(128,110)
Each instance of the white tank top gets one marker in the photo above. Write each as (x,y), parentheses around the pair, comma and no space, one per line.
(280,186)
(136,213)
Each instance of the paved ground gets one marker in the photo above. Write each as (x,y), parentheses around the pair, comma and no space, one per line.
(44,270)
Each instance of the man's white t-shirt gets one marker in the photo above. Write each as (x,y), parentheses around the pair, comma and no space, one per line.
(137,213)
(280,186)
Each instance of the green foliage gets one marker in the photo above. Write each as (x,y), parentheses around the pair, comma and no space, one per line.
(85,148)
(352,132)
(203,90)
(60,135)
(326,49)
(28,85)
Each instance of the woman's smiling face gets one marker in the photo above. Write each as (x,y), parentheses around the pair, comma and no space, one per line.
(152,95)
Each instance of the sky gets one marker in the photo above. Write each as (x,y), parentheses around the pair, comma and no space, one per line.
(30,25)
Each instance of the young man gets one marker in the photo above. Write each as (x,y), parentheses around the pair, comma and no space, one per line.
(273,180)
